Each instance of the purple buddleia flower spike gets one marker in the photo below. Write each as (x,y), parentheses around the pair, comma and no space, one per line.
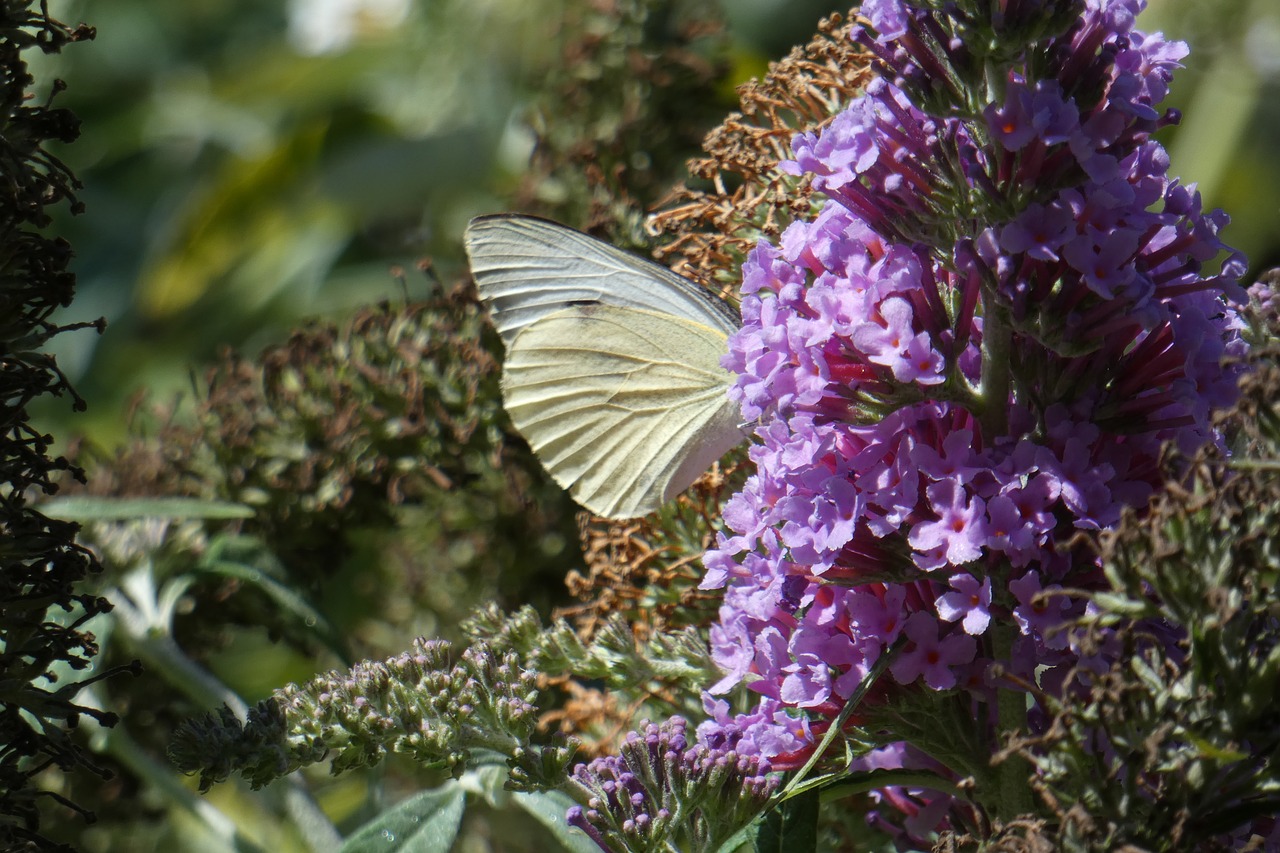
(661,792)
(974,351)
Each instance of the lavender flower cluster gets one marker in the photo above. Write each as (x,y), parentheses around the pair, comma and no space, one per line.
(664,793)
(975,349)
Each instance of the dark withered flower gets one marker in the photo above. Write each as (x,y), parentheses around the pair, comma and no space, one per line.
(42,607)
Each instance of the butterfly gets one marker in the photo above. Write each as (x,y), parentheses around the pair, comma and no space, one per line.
(612,371)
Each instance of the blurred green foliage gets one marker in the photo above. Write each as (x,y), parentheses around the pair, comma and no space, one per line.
(1229,94)
(238,183)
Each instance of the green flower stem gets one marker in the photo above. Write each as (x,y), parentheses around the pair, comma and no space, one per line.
(163,656)
(308,818)
(117,743)
(157,650)
(997,368)
(1254,464)
(1014,791)
(1011,706)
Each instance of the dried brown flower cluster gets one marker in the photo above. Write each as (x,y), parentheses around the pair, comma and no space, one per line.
(398,401)
(648,568)
(644,571)
(714,228)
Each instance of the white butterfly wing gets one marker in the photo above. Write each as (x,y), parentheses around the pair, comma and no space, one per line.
(613,367)
(527,268)
(624,406)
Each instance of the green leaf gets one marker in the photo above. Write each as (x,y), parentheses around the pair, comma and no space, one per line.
(792,827)
(744,839)
(245,559)
(548,808)
(426,823)
(90,508)
(1214,752)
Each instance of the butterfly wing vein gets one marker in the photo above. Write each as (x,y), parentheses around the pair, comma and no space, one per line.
(613,362)
(601,400)
(527,268)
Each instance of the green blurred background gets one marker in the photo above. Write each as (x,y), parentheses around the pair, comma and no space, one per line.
(251,162)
